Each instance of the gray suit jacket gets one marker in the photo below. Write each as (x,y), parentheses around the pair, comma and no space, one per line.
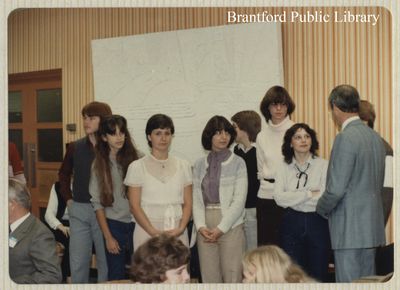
(352,199)
(33,259)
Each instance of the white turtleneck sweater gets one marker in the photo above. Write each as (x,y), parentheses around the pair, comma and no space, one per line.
(269,154)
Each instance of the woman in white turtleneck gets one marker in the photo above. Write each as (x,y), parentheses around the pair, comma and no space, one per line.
(160,187)
(276,107)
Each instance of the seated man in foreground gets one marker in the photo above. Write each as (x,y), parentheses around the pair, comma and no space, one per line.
(32,248)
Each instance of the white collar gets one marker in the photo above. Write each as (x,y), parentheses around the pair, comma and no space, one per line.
(245,150)
(18,222)
(345,123)
(161,161)
(309,160)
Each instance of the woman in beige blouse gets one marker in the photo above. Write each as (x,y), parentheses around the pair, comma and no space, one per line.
(159,187)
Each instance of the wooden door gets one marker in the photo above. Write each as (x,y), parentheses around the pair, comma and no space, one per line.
(35,126)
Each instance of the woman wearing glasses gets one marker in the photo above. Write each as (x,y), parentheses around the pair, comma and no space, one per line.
(276,107)
(300,181)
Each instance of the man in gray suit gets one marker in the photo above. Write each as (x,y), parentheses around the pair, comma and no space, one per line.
(352,198)
(32,247)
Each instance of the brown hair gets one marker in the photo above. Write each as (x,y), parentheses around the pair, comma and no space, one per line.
(367,113)
(156,256)
(248,121)
(96,109)
(276,95)
(216,123)
(101,163)
(273,265)
(159,121)
(287,149)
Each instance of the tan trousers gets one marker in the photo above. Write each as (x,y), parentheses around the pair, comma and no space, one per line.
(221,262)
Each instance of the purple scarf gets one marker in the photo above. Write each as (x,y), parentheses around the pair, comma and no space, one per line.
(210,183)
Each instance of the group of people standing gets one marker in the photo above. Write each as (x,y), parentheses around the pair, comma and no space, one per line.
(272,189)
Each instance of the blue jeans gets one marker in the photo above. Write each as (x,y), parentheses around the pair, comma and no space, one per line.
(85,231)
(305,238)
(123,233)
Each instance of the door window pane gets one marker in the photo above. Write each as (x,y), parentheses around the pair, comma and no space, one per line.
(50,145)
(49,105)
(15,136)
(15,107)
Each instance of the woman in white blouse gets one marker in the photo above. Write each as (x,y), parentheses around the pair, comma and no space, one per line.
(159,187)
(300,181)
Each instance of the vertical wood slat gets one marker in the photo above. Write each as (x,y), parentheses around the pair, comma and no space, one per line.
(316,56)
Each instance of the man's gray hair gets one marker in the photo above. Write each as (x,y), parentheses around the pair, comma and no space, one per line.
(346,98)
(18,192)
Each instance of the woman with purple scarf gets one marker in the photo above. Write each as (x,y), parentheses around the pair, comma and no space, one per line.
(219,195)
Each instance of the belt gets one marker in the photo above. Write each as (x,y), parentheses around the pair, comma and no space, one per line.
(270,180)
(213,206)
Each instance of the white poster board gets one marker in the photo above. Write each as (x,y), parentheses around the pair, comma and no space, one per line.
(190,75)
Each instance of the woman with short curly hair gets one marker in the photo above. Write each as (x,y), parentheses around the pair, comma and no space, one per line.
(162,259)
(300,181)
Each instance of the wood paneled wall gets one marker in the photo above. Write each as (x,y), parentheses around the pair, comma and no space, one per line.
(317,56)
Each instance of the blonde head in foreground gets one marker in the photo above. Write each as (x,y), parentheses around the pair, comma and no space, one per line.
(270,264)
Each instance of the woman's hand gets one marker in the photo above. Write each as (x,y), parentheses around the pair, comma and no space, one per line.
(215,234)
(206,233)
(63,229)
(154,232)
(174,232)
(112,246)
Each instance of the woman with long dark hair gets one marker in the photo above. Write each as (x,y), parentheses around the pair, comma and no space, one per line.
(300,181)
(114,152)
